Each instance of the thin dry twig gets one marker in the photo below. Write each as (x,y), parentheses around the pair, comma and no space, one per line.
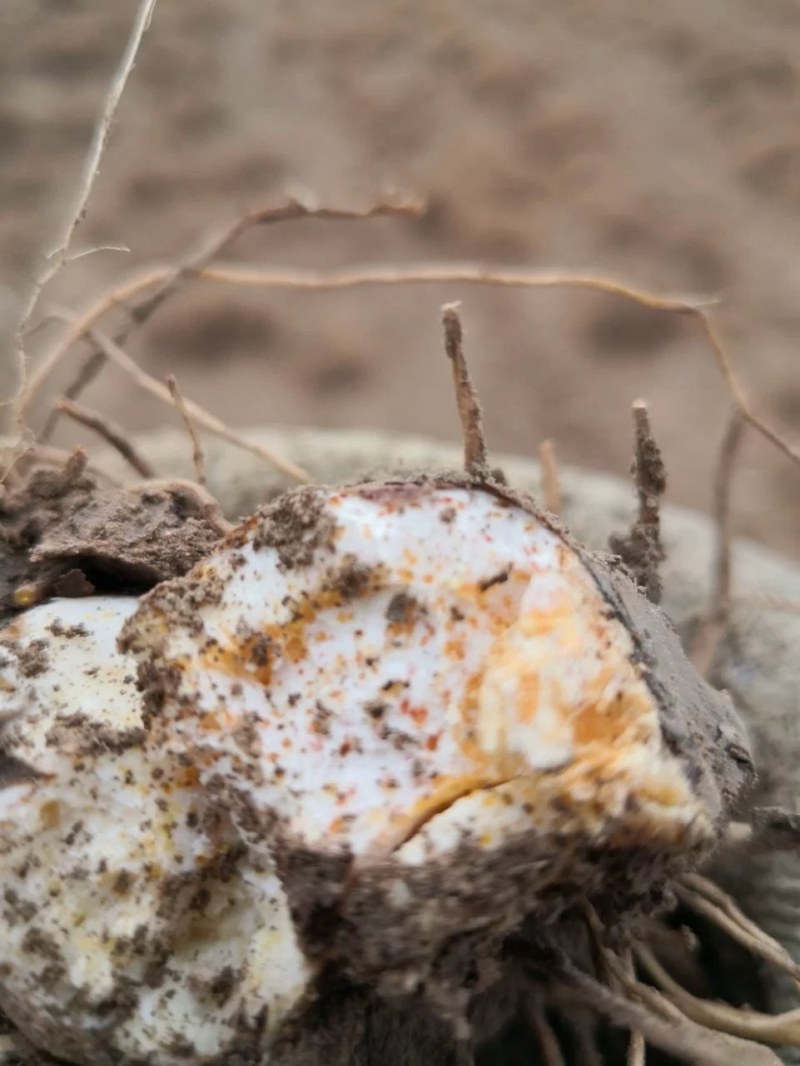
(738,394)
(708,899)
(663,1025)
(641,548)
(603,960)
(73,257)
(637,1050)
(480,274)
(197,451)
(676,1003)
(199,414)
(712,628)
(548,1041)
(381,274)
(710,890)
(551,484)
(637,1047)
(91,166)
(618,972)
(779,1029)
(469,408)
(469,273)
(39,454)
(109,432)
(165,281)
(723,487)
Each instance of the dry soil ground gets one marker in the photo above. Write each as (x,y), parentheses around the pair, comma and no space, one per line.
(657,142)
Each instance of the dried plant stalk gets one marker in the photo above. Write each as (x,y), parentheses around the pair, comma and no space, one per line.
(548,1041)
(76,215)
(648,1012)
(712,628)
(476,273)
(110,433)
(780,1029)
(166,281)
(708,899)
(167,278)
(199,414)
(197,451)
(469,408)
(551,487)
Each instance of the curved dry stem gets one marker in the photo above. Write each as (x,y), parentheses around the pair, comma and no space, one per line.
(78,328)
(197,450)
(199,414)
(167,279)
(546,1038)
(469,273)
(476,273)
(672,1003)
(637,1048)
(738,394)
(708,899)
(778,1029)
(713,627)
(47,455)
(110,433)
(643,1009)
(60,253)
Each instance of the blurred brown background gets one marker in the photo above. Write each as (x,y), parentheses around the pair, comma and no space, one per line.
(660,143)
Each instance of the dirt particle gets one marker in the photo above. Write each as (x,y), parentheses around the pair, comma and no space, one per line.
(496,579)
(123,882)
(296,526)
(320,722)
(37,942)
(353,580)
(33,658)
(402,609)
(58,629)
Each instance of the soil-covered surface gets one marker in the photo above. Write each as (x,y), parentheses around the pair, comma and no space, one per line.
(657,145)
(63,534)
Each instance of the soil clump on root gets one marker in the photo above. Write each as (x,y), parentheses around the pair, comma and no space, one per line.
(64,533)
